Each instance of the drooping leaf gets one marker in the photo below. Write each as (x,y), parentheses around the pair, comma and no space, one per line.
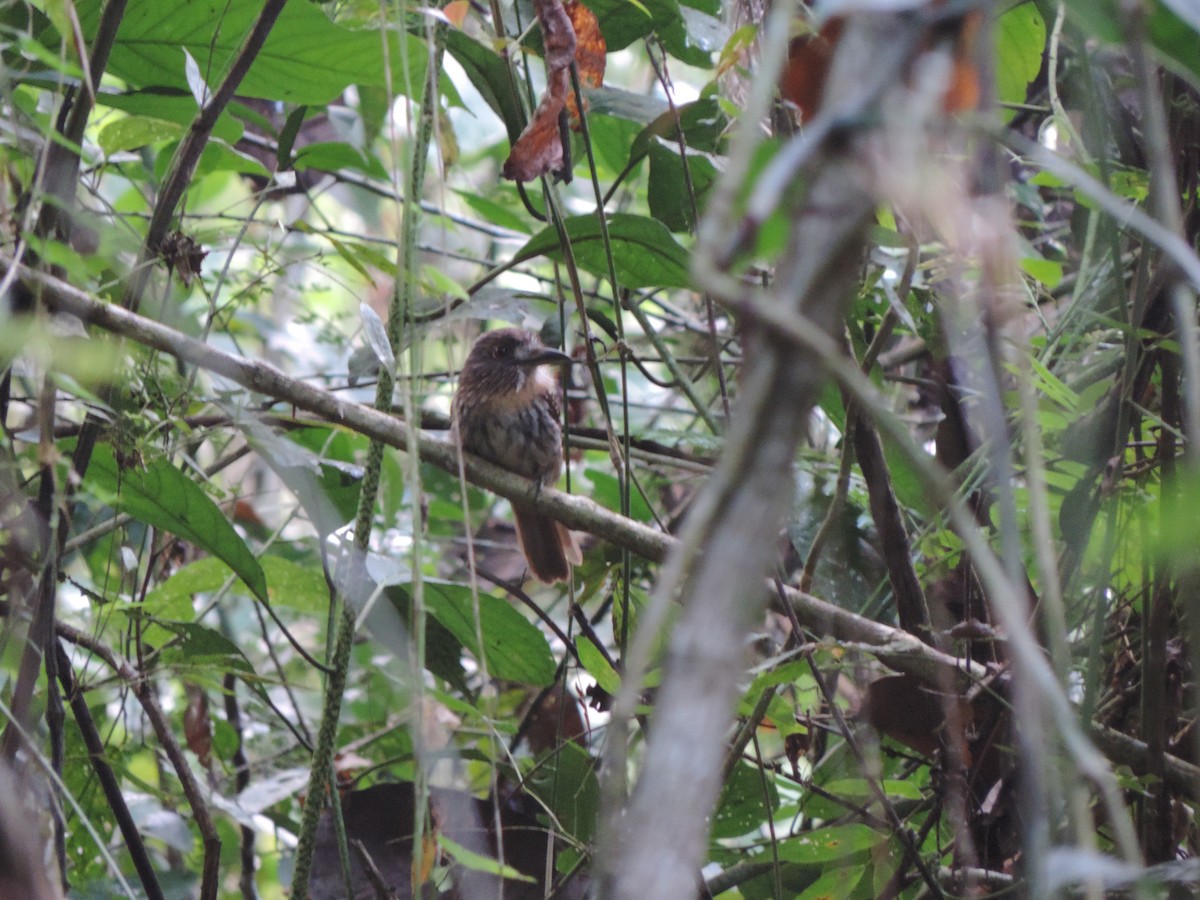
(477,862)
(162,496)
(539,149)
(491,77)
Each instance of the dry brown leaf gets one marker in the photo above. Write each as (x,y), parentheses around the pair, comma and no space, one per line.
(539,149)
(590,53)
(197,726)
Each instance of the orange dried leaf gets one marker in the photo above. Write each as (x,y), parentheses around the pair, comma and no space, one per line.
(197,726)
(456,12)
(590,52)
(539,149)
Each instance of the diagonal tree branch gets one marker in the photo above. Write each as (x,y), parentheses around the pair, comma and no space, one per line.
(895,647)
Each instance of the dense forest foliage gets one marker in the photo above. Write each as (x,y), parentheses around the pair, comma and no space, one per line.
(881,435)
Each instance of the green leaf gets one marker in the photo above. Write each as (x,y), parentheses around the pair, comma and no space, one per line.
(696,37)
(597,665)
(740,808)
(515,650)
(828,844)
(160,495)
(668,188)
(171,106)
(836,884)
(566,782)
(645,253)
(306,58)
(701,122)
(606,490)
(294,586)
(858,792)
(490,75)
(173,598)
(1047,272)
(197,644)
(623,104)
(624,21)
(132,132)
(477,862)
(288,584)
(1020,39)
(329,156)
(1170,34)
(496,213)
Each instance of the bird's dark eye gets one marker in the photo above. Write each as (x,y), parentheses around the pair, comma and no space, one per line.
(501,351)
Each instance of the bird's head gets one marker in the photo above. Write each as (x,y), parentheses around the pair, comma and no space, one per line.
(508,359)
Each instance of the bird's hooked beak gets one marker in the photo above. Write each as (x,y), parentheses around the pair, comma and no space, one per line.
(545,356)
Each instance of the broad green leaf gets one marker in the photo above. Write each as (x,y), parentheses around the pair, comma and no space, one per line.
(1047,272)
(645,253)
(288,585)
(701,122)
(740,808)
(160,495)
(172,106)
(836,884)
(624,21)
(306,58)
(856,792)
(329,156)
(597,666)
(515,650)
(606,490)
(197,644)
(173,598)
(695,37)
(132,132)
(296,586)
(496,213)
(668,188)
(1020,39)
(828,844)
(566,782)
(217,156)
(623,104)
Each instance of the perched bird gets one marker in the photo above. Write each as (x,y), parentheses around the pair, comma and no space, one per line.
(506,410)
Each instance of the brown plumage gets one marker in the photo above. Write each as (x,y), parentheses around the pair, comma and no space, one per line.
(506,410)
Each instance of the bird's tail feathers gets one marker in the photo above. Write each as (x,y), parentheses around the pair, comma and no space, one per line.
(549,547)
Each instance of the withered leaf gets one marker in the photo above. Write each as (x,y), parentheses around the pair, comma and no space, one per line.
(539,148)
(590,52)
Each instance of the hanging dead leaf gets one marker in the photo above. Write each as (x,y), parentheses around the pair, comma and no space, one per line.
(539,149)
(197,726)
(590,53)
